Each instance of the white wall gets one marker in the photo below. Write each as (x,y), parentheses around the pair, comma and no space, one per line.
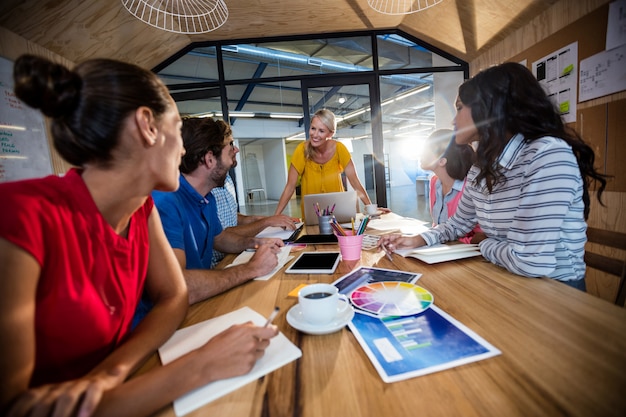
(274,158)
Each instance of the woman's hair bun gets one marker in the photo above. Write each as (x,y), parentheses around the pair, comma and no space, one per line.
(47,86)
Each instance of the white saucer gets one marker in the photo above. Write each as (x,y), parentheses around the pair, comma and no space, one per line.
(295,319)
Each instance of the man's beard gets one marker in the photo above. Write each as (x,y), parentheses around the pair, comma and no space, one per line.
(219,177)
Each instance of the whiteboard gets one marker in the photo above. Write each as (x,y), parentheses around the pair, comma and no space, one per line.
(24,150)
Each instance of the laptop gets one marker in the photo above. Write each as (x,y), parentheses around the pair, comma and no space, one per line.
(345,203)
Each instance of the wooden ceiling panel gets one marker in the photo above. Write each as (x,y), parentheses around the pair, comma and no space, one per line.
(79,29)
(440,26)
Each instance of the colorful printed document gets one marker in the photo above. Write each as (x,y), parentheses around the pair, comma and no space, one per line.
(367,275)
(410,346)
(279,353)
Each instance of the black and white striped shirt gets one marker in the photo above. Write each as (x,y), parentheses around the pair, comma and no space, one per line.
(534,220)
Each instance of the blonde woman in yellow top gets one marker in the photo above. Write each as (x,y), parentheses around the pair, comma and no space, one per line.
(319,161)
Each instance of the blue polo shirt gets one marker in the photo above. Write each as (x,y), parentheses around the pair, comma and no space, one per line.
(190,222)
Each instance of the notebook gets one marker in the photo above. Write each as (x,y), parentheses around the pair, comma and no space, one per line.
(441,252)
(278,232)
(279,353)
(345,203)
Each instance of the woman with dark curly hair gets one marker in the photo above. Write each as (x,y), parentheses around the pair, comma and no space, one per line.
(529,187)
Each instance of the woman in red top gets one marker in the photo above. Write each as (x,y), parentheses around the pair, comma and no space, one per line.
(77,251)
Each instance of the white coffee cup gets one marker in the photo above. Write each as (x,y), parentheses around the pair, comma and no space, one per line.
(371,209)
(320,304)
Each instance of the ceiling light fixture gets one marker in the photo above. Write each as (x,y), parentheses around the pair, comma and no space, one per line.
(241,114)
(285,116)
(180,16)
(401,6)
(412,92)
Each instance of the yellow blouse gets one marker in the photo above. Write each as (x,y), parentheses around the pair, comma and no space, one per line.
(320,178)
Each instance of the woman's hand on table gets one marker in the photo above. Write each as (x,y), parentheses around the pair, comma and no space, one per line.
(78,397)
(389,243)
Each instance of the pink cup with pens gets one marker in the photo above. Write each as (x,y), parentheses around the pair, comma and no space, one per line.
(350,246)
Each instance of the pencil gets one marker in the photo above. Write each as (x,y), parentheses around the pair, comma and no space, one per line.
(272,316)
(387,252)
(337,226)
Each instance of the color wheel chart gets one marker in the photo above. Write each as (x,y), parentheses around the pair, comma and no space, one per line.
(391,298)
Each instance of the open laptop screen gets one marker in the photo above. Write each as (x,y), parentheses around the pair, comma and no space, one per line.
(345,203)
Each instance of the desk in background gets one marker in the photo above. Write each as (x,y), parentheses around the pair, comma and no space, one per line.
(563,351)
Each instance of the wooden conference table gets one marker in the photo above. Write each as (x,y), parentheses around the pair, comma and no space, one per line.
(563,351)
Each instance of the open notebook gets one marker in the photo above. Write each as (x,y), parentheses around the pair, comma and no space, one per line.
(279,353)
(441,253)
(344,203)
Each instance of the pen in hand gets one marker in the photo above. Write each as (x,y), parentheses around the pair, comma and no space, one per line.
(387,252)
(272,316)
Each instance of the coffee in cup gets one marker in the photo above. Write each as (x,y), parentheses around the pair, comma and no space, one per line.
(320,304)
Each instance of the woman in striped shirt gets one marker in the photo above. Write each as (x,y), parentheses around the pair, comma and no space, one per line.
(529,188)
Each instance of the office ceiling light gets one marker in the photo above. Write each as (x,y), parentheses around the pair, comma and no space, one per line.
(401,6)
(180,16)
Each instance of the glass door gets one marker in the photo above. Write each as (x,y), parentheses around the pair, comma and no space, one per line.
(354,101)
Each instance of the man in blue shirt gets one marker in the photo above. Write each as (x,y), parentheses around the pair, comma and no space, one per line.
(190,218)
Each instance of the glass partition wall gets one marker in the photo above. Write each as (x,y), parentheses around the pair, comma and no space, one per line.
(388,91)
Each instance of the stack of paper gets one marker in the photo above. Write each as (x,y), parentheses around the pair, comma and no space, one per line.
(441,253)
(394,222)
(280,233)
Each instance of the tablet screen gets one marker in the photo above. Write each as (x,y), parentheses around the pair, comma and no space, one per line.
(315,263)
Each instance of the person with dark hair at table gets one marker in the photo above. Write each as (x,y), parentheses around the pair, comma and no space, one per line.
(529,187)
(190,216)
(76,253)
(449,163)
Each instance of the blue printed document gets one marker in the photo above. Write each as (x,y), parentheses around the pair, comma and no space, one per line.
(410,346)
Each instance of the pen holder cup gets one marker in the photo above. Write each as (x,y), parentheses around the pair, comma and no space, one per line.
(324,225)
(350,246)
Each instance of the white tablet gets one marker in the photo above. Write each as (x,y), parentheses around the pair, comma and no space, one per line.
(314,263)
